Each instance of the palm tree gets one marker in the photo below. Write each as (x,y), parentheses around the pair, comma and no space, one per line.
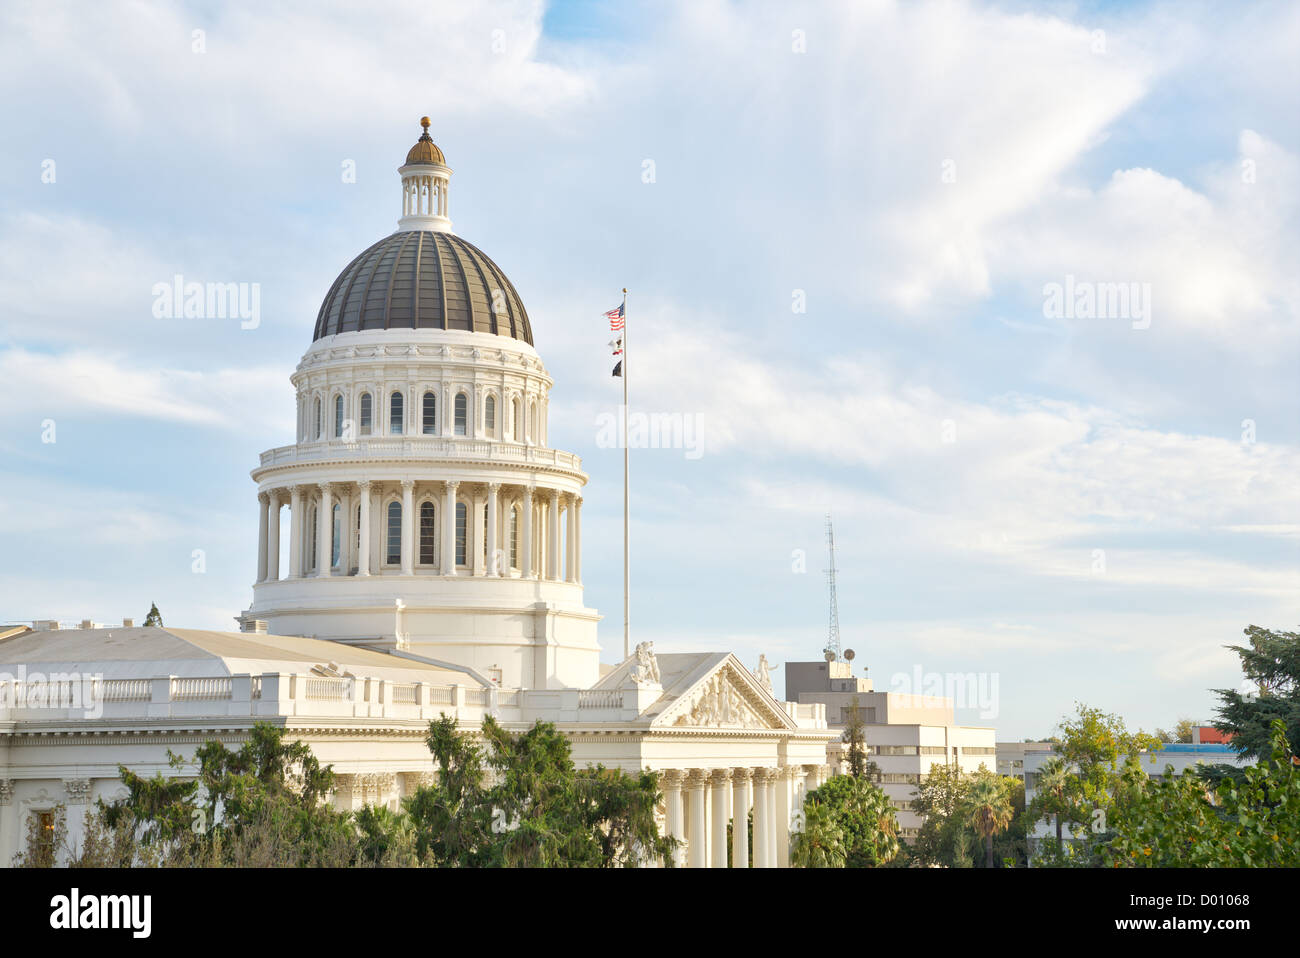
(989,808)
(820,844)
(1053,779)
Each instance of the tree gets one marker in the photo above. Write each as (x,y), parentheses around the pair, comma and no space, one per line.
(855,738)
(988,807)
(820,843)
(864,817)
(1271,662)
(938,801)
(1053,783)
(154,618)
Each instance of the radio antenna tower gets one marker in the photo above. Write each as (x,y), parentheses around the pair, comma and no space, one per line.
(833,636)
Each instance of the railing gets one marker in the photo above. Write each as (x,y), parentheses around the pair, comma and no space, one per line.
(600,699)
(334,690)
(508,698)
(477,697)
(422,447)
(441,695)
(255,687)
(405,694)
(127,690)
(204,689)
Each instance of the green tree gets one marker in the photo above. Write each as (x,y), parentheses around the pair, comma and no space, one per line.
(1271,662)
(820,842)
(939,797)
(154,618)
(1053,785)
(864,816)
(988,808)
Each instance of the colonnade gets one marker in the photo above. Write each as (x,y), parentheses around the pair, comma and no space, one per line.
(505,530)
(701,802)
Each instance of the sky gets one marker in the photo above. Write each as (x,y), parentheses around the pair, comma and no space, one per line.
(840,225)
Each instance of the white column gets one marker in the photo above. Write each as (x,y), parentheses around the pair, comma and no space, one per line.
(494,563)
(784,812)
(577,539)
(408,527)
(553,536)
(721,781)
(345,531)
(324,530)
(810,778)
(570,545)
(773,859)
(295,532)
(363,548)
(762,845)
(740,817)
(526,545)
(475,531)
(672,783)
(273,531)
(263,520)
(449,529)
(695,784)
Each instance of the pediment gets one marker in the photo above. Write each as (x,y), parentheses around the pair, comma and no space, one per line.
(726,697)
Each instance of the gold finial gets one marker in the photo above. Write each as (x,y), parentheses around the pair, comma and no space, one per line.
(424,122)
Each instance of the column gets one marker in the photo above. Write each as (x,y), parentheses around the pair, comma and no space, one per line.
(784,812)
(761,816)
(324,530)
(475,532)
(295,532)
(494,562)
(671,779)
(263,505)
(408,527)
(721,781)
(273,531)
(553,536)
(810,778)
(363,548)
(346,538)
(695,783)
(577,539)
(740,778)
(449,529)
(769,802)
(570,550)
(526,546)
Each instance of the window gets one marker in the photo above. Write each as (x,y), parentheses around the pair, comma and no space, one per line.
(358,528)
(316,422)
(462,413)
(336,535)
(428,526)
(45,835)
(487,554)
(517,421)
(490,415)
(314,522)
(365,414)
(461,538)
(514,537)
(395,414)
(394,533)
(338,416)
(429,421)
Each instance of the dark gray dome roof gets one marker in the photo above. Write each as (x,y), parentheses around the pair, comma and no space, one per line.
(420,279)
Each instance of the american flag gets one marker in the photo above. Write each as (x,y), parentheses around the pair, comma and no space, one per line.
(615,318)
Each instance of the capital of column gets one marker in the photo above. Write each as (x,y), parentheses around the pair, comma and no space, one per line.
(671,778)
(494,487)
(264,498)
(739,775)
(696,778)
(295,491)
(555,496)
(407,485)
(363,486)
(721,776)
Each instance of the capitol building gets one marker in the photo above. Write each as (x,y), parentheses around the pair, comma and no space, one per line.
(430,562)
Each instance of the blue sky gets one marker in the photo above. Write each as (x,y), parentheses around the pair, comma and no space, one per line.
(1109,142)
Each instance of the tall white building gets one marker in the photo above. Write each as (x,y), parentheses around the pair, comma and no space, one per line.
(432,565)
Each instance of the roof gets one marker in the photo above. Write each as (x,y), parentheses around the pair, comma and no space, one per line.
(144,652)
(425,150)
(423,279)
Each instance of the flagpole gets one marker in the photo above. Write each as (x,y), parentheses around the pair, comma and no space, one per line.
(627,616)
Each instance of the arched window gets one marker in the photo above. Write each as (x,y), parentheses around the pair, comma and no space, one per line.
(462,413)
(338,416)
(490,415)
(487,553)
(517,417)
(336,536)
(514,537)
(314,521)
(461,538)
(316,421)
(366,414)
(428,527)
(394,550)
(429,419)
(395,414)
(532,421)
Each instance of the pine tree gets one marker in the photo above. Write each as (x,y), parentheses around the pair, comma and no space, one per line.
(154,617)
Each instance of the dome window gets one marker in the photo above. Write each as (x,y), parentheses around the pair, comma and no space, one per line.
(490,415)
(428,526)
(394,550)
(366,414)
(462,414)
(514,537)
(338,416)
(395,414)
(316,422)
(429,418)
(461,537)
